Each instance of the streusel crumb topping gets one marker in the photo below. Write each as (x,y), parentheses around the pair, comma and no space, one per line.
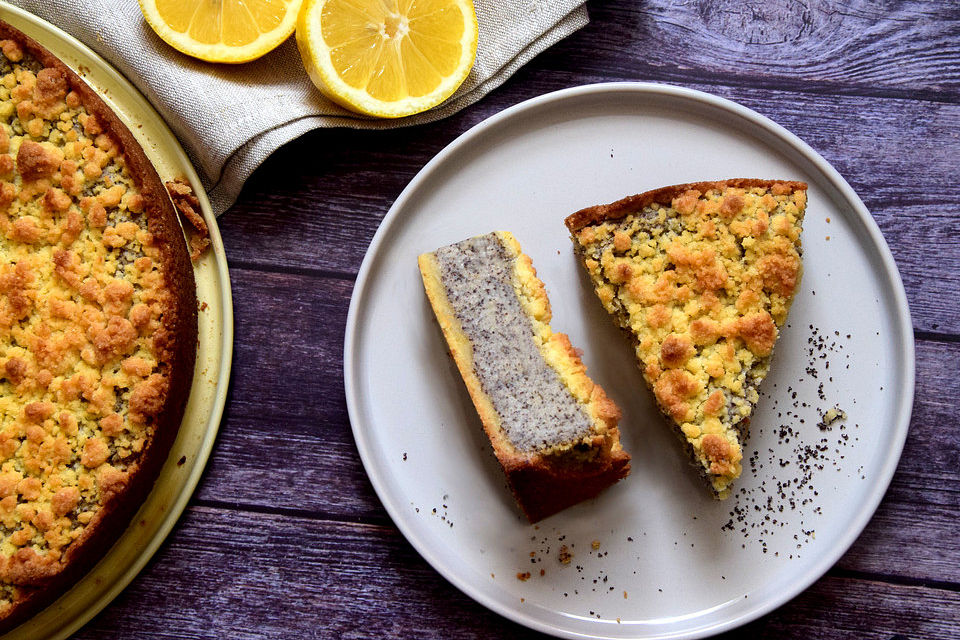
(81,300)
(703,285)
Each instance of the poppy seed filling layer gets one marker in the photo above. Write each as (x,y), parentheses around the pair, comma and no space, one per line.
(535,408)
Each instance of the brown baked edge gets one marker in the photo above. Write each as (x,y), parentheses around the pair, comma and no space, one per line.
(541,486)
(664,195)
(177,338)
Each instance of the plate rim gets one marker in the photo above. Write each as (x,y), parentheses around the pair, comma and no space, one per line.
(189,486)
(901,421)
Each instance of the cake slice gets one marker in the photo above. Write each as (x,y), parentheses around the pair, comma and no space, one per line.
(701,277)
(553,430)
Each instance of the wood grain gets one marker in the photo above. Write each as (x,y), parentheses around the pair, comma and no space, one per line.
(285,437)
(904,47)
(899,155)
(250,575)
(279,449)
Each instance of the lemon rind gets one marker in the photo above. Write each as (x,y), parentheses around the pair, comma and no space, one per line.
(324,76)
(220,52)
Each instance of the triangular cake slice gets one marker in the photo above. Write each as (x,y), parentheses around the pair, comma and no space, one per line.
(701,276)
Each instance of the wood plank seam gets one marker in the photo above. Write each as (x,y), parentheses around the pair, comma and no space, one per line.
(306,514)
(942,585)
(934,336)
(287,269)
(681,77)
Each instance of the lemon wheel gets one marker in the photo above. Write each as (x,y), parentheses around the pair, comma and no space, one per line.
(222,30)
(387,58)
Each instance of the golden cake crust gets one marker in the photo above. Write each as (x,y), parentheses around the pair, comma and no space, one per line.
(700,276)
(542,481)
(121,455)
(665,195)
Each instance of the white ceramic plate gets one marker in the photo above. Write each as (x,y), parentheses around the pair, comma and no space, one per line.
(201,419)
(666,566)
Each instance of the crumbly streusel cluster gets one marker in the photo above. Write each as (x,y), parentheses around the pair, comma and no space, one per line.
(703,284)
(81,301)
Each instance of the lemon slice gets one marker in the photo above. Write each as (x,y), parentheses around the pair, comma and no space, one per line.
(387,58)
(222,30)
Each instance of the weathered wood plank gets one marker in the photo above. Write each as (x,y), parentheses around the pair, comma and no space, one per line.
(838,608)
(925,242)
(317,202)
(285,438)
(243,575)
(247,575)
(280,447)
(872,46)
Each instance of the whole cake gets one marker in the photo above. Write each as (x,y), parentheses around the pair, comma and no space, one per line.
(98,327)
(701,277)
(552,428)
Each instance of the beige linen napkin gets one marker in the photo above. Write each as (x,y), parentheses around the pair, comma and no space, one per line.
(230,118)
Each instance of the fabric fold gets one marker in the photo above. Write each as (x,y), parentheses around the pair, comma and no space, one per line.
(230,118)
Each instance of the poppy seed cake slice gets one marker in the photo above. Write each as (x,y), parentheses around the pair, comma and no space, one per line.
(553,430)
(701,277)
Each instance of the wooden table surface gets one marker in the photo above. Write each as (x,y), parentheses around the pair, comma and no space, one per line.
(285,537)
